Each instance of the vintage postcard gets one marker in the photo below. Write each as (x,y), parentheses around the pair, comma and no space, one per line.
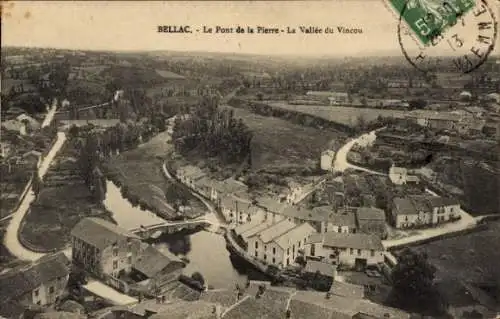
(250,159)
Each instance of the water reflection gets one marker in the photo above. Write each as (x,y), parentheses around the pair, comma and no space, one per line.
(206,251)
(208,255)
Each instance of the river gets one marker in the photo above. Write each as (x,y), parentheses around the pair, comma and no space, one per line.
(206,251)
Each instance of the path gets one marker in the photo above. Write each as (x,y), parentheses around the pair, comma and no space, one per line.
(106,292)
(466,221)
(50,114)
(11,240)
(341,164)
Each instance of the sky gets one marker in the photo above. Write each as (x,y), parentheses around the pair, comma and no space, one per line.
(117,25)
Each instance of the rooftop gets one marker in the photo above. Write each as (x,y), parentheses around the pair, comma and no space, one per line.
(343,307)
(294,235)
(276,230)
(326,269)
(255,227)
(348,240)
(99,232)
(370,213)
(348,290)
(17,282)
(403,206)
(152,261)
(271,204)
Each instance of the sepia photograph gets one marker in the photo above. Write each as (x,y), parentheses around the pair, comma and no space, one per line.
(250,159)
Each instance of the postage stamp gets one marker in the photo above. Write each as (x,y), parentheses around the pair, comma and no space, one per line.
(429,18)
(450,34)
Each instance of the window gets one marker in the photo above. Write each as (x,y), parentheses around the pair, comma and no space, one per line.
(351,251)
(36,292)
(115,264)
(115,250)
(274,250)
(313,250)
(287,261)
(256,254)
(332,256)
(256,245)
(288,251)
(265,257)
(339,229)
(299,244)
(372,253)
(359,252)
(274,260)
(51,289)
(293,249)
(265,247)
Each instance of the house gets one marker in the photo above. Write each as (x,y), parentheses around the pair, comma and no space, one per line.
(237,210)
(399,176)
(326,218)
(334,98)
(103,248)
(327,158)
(278,243)
(215,189)
(371,220)
(160,267)
(42,283)
(423,210)
(188,175)
(352,250)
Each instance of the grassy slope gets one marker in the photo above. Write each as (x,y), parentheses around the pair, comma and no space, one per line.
(279,143)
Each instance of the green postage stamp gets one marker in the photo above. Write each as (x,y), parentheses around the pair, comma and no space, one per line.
(430,18)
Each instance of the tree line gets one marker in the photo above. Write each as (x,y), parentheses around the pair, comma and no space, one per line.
(212,132)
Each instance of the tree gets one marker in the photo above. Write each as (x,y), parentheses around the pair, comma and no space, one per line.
(413,284)
(417,104)
(196,276)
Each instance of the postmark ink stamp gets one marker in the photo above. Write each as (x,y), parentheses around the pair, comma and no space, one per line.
(452,35)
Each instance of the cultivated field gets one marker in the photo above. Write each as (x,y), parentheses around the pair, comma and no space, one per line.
(278,143)
(473,257)
(340,114)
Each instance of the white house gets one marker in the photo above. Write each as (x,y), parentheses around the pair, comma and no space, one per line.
(422,210)
(277,243)
(189,175)
(400,176)
(353,250)
(327,158)
(238,210)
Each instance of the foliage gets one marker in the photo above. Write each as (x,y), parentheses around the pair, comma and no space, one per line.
(213,133)
(413,284)
(196,276)
(417,104)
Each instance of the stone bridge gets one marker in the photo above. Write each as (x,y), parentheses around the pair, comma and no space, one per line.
(171,227)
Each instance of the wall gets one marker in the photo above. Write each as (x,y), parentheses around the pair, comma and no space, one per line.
(348,256)
(122,258)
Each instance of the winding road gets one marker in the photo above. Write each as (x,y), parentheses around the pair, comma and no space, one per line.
(341,164)
(11,239)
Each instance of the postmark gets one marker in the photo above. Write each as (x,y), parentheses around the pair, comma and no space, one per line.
(449,35)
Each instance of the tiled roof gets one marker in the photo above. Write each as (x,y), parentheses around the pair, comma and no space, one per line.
(224,297)
(152,261)
(99,232)
(180,309)
(252,308)
(294,235)
(276,230)
(342,307)
(345,289)
(403,206)
(324,268)
(356,241)
(370,213)
(236,204)
(19,282)
(259,226)
(436,201)
(271,204)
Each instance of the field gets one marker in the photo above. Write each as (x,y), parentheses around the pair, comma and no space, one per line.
(473,257)
(140,170)
(62,202)
(340,114)
(278,143)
